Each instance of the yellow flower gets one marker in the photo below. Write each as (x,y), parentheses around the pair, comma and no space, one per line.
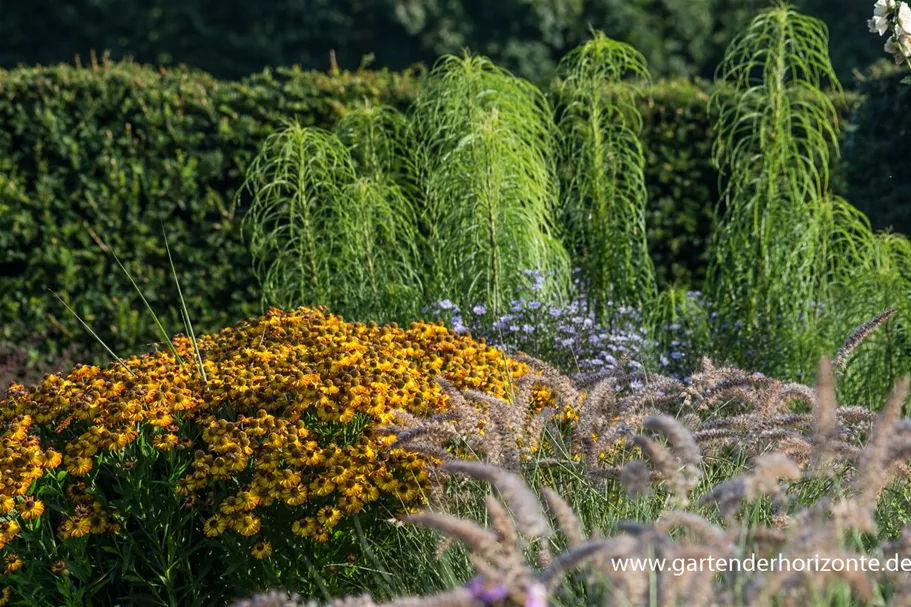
(248,500)
(329,516)
(278,376)
(52,459)
(78,466)
(5,595)
(12,562)
(60,568)
(76,526)
(321,536)
(215,526)
(247,525)
(7,503)
(304,527)
(261,550)
(9,530)
(165,442)
(31,508)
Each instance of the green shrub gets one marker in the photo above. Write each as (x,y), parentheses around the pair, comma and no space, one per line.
(112,155)
(681,181)
(486,159)
(604,193)
(115,152)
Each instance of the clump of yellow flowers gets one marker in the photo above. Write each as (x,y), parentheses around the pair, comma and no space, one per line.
(281,422)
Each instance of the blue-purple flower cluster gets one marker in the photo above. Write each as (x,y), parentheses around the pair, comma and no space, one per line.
(566,335)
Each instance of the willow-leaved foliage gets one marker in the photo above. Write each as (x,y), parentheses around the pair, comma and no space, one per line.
(794,265)
(385,194)
(871,274)
(487,171)
(776,130)
(604,196)
(323,233)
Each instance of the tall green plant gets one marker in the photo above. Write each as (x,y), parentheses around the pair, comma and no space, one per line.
(321,233)
(385,195)
(876,277)
(794,266)
(487,170)
(776,131)
(604,196)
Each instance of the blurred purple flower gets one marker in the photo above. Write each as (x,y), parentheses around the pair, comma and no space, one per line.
(487,594)
(536,595)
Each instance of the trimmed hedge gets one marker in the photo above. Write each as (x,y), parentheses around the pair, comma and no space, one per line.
(110,156)
(104,158)
(682,183)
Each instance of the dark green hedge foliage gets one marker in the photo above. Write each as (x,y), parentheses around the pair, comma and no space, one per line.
(682,183)
(877,149)
(107,156)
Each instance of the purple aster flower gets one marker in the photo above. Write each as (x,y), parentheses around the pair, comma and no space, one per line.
(502,322)
(479,310)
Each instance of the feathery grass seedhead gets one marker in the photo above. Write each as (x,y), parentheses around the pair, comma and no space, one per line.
(518,496)
(858,336)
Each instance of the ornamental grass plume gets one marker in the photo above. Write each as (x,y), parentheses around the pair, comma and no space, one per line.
(272,456)
(504,554)
(595,419)
(859,335)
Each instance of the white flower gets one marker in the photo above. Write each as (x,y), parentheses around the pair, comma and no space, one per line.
(882,8)
(879,24)
(904,18)
(899,48)
(904,45)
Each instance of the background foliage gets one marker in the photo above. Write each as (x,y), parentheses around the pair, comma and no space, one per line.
(115,152)
(92,159)
(873,181)
(232,39)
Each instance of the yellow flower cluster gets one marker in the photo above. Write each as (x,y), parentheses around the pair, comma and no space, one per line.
(284,417)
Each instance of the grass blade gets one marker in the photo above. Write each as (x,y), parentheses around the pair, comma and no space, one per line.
(93,334)
(184,313)
(161,328)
